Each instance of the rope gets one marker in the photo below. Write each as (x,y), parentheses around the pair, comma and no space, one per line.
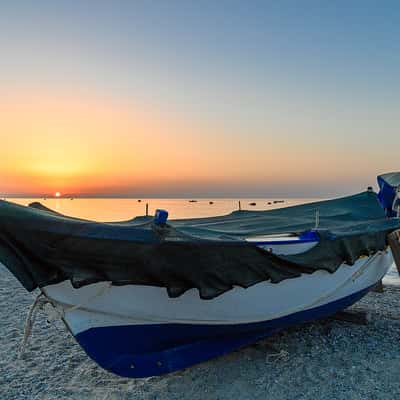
(38,304)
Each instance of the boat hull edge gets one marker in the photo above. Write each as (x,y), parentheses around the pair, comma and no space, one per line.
(139,351)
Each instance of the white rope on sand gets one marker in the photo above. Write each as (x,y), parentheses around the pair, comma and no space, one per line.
(37,305)
(52,312)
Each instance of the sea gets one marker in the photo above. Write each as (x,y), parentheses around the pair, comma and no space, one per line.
(122,209)
(119,209)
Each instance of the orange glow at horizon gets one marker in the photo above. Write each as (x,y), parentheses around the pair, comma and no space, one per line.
(88,145)
(84,145)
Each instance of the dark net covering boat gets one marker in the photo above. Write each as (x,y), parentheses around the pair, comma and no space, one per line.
(210,254)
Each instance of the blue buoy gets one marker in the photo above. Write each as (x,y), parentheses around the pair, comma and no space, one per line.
(160,217)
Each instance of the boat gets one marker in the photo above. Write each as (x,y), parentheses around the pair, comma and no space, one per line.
(150,296)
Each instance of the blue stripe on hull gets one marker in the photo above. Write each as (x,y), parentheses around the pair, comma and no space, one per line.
(147,350)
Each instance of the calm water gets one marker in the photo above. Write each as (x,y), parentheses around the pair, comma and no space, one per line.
(122,209)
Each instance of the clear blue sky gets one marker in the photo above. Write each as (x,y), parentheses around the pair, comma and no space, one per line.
(298,98)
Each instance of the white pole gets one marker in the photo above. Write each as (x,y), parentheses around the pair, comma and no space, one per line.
(316,218)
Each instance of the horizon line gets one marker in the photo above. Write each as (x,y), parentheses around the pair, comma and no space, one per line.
(68,197)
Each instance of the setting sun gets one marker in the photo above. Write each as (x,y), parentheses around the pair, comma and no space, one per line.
(57,194)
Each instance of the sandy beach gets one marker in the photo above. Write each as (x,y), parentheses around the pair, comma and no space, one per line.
(321,360)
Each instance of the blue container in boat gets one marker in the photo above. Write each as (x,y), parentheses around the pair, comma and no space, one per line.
(160,217)
(309,236)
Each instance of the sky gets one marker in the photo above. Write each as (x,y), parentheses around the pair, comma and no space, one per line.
(208,98)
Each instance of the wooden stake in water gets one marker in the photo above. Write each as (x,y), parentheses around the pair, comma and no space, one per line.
(147,209)
(240,206)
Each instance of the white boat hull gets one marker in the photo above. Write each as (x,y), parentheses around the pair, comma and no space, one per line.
(139,331)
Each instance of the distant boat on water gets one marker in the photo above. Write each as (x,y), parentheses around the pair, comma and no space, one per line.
(252,204)
(192,201)
(278,201)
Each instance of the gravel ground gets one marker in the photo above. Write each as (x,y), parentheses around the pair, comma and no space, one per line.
(321,360)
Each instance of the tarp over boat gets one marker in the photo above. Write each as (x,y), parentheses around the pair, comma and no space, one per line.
(41,247)
(389,187)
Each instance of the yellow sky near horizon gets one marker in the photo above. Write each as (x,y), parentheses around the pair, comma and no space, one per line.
(83,143)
